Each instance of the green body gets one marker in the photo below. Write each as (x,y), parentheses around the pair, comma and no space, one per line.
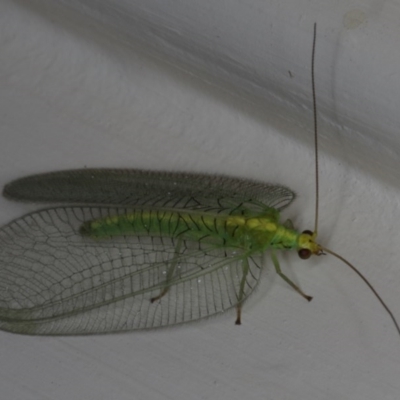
(136,249)
(255,232)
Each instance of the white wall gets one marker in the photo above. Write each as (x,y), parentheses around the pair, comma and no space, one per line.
(205,86)
(251,46)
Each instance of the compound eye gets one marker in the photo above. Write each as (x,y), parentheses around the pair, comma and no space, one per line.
(304,253)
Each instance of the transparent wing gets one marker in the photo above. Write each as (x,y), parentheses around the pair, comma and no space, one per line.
(149,188)
(55,282)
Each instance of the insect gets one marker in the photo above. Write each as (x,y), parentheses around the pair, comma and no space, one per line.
(139,249)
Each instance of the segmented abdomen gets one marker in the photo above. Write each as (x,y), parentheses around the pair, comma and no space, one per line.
(188,226)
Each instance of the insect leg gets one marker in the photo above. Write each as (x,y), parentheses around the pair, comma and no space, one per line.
(286,279)
(241,291)
(170,273)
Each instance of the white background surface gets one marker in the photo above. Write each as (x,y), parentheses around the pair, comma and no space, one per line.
(205,86)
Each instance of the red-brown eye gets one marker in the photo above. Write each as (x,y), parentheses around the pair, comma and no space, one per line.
(304,253)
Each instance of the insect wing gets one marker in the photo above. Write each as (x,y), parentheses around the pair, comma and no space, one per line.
(152,189)
(53,281)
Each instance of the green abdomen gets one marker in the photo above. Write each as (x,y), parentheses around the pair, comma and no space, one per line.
(257,232)
(193,226)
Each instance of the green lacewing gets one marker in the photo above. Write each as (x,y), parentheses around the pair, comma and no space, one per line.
(133,249)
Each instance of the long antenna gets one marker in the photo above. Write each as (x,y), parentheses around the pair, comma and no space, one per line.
(387,309)
(367,283)
(315,132)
